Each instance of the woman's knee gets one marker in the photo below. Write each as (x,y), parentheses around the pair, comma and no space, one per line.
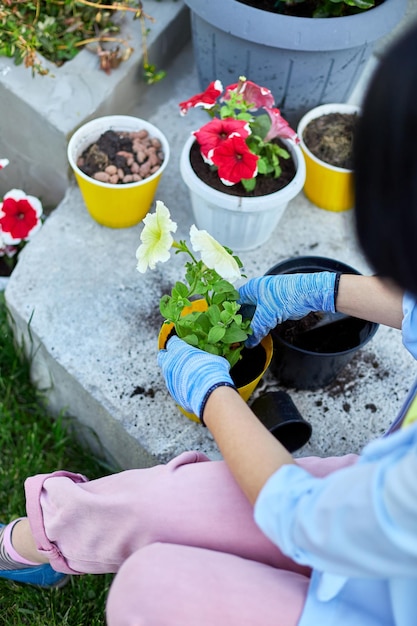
(166,584)
(135,597)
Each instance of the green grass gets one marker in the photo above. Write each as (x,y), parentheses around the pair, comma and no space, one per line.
(32,442)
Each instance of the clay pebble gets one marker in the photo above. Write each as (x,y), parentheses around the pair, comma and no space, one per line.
(122,157)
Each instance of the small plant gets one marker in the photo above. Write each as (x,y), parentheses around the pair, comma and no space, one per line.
(20,219)
(219,329)
(57,30)
(240,141)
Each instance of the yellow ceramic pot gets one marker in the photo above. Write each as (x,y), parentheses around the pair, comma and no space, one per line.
(115,206)
(246,391)
(327,186)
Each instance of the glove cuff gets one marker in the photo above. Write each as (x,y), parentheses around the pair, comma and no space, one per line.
(336,288)
(208,394)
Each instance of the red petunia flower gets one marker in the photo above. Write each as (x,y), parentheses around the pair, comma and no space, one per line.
(206,99)
(213,134)
(19,216)
(234,160)
(253,94)
(279,127)
(224,142)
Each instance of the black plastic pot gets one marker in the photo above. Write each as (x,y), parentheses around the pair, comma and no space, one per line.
(278,413)
(314,358)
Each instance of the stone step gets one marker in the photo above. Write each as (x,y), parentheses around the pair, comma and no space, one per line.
(90,321)
(43,111)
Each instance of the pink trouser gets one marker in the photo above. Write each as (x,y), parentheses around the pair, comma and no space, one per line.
(181,538)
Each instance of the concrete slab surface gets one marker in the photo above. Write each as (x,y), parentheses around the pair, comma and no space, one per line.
(90,320)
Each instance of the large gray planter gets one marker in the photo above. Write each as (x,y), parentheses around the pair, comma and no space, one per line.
(303,61)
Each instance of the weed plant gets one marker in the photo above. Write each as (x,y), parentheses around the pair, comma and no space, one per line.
(58,29)
(32,442)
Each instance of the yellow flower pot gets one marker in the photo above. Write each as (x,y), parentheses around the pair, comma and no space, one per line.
(113,205)
(327,186)
(246,390)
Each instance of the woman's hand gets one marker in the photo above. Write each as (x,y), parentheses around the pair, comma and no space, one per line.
(191,374)
(286,297)
(201,383)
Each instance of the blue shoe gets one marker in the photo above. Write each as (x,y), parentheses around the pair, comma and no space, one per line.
(41,575)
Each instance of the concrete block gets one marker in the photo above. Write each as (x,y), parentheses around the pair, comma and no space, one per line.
(40,113)
(89,321)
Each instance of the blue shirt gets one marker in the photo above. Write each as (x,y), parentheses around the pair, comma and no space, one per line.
(356,528)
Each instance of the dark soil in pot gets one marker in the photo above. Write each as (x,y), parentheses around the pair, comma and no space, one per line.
(304,8)
(330,138)
(323,334)
(250,365)
(264,184)
(309,353)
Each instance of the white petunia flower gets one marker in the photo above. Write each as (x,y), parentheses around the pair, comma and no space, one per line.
(4,163)
(214,255)
(156,238)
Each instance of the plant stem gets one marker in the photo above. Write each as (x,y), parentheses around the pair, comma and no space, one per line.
(84,42)
(116,7)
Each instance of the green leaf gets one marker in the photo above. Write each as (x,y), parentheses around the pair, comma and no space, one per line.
(234,334)
(192,340)
(168,308)
(213,314)
(223,286)
(261,125)
(216,334)
(231,307)
(180,290)
(249,183)
(263,166)
(190,319)
(204,323)
(234,357)
(226,317)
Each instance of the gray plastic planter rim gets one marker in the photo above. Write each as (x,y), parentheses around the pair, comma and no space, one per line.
(300,33)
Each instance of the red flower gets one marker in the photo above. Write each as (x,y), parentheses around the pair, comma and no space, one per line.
(234,160)
(279,127)
(19,216)
(252,93)
(213,134)
(206,99)
(237,137)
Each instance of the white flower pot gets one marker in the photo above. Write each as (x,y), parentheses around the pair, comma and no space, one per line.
(236,222)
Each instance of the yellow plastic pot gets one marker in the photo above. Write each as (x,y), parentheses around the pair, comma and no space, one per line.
(246,391)
(327,186)
(115,206)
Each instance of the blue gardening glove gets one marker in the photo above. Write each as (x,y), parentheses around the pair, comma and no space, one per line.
(191,375)
(286,297)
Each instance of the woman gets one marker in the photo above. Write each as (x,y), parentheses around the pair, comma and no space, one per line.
(259,538)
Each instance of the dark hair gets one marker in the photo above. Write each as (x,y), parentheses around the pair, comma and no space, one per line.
(385,164)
